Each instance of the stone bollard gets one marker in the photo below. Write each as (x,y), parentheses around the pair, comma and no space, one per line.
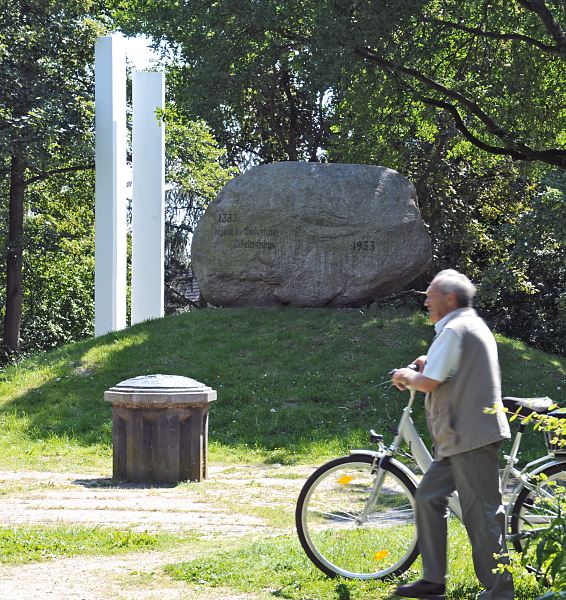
(159,429)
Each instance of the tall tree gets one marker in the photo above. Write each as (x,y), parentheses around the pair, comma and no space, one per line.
(238,74)
(465,98)
(496,69)
(46,56)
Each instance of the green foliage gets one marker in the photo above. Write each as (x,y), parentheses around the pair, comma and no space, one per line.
(46,54)
(545,548)
(546,551)
(59,262)
(501,223)
(548,548)
(46,117)
(252,88)
(281,70)
(379,83)
(519,255)
(194,174)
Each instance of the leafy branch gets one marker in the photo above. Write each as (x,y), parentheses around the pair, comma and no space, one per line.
(539,8)
(47,174)
(516,149)
(496,35)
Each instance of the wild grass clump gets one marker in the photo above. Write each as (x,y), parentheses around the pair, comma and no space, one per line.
(34,543)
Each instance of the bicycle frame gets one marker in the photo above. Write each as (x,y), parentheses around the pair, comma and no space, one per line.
(407,432)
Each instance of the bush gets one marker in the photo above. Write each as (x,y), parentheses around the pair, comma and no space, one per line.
(523,283)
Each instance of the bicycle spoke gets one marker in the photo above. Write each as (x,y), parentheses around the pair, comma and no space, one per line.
(334,515)
(536,506)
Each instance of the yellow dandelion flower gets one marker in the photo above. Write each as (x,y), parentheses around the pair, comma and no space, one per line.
(345,479)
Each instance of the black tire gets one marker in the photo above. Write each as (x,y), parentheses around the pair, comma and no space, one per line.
(331,499)
(529,515)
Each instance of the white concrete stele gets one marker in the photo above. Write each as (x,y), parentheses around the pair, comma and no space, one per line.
(148,204)
(110,187)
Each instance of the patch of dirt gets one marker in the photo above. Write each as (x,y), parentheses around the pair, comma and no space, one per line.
(230,504)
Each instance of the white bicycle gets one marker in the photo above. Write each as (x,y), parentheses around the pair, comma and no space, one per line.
(355,515)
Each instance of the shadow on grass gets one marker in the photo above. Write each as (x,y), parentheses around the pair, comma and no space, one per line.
(342,592)
(287,379)
(109,483)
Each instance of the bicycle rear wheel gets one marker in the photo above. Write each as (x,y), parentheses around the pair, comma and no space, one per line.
(346,529)
(535,508)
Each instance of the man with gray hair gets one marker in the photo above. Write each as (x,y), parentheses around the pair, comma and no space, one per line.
(461,378)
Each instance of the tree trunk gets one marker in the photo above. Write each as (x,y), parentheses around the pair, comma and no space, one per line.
(14,295)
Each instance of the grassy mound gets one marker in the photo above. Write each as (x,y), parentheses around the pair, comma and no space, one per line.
(294,385)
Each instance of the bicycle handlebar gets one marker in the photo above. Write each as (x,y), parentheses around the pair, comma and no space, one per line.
(412,366)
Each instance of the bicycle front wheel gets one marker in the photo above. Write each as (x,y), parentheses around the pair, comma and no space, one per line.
(535,508)
(358,520)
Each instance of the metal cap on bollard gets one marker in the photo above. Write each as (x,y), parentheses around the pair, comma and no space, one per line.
(160,428)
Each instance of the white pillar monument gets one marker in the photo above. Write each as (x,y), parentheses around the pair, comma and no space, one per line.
(148,204)
(110,186)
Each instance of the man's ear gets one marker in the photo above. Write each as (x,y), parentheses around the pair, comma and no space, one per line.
(452,300)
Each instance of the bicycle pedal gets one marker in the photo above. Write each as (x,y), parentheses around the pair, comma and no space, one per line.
(375,438)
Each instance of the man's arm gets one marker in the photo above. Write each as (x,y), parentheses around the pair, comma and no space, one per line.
(442,359)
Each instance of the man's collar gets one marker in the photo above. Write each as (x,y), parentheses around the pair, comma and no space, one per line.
(466,310)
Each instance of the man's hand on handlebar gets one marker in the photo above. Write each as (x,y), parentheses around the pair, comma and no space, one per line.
(401,378)
(411,376)
(420,362)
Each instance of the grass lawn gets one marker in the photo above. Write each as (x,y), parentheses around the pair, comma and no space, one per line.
(279,568)
(294,385)
(32,543)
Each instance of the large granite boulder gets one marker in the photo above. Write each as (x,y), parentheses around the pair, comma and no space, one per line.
(310,234)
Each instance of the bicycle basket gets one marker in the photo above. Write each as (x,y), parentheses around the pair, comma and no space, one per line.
(556,440)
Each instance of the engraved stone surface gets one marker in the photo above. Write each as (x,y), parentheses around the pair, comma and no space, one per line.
(310,234)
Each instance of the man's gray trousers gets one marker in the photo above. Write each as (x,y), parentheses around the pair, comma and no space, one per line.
(475,475)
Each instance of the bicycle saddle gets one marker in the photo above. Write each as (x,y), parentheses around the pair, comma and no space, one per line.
(526,406)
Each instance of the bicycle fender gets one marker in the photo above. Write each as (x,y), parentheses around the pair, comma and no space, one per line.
(546,465)
(392,461)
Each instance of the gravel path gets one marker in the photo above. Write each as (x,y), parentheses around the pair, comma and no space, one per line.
(223,508)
